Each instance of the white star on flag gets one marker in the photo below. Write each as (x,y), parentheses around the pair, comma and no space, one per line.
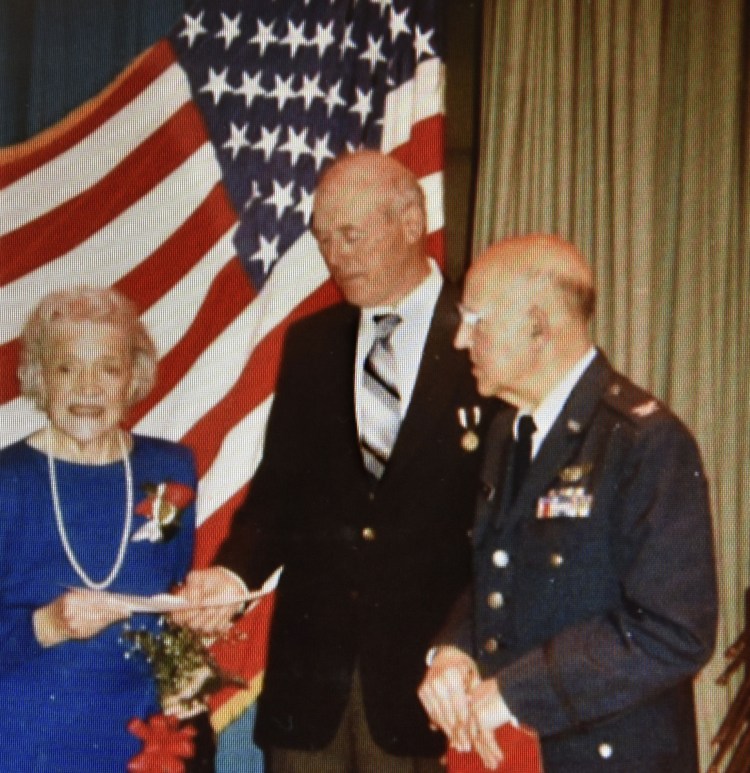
(267,252)
(324,38)
(231,29)
(295,145)
(281,198)
(283,90)
(363,105)
(310,90)
(422,45)
(264,36)
(305,204)
(251,88)
(373,55)
(295,38)
(267,142)
(333,98)
(398,25)
(321,151)
(217,84)
(237,140)
(193,28)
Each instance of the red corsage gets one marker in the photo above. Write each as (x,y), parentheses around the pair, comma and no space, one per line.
(163,506)
(165,745)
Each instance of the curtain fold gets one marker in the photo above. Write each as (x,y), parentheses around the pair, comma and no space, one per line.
(623,125)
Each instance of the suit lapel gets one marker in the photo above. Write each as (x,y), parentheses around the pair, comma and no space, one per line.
(435,385)
(562,443)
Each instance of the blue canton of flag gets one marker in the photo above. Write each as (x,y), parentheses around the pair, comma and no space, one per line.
(287,86)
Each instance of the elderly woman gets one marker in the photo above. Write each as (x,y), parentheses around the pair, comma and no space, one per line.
(87,510)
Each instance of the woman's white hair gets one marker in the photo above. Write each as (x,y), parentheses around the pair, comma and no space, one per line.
(81,304)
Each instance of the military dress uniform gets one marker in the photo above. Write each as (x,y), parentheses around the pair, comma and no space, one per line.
(595,596)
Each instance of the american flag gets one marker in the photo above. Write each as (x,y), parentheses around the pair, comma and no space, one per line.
(188,185)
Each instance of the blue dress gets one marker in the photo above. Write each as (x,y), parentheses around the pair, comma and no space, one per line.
(65,708)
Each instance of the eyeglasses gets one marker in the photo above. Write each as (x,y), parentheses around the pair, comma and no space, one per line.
(468,317)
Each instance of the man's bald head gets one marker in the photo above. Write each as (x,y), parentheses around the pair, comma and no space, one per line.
(527,303)
(551,269)
(369,221)
(375,176)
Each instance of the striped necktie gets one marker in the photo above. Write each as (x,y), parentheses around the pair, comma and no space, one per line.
(380,400)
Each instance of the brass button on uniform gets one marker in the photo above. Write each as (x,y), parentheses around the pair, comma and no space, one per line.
(605,750)
(371,496)
(368,534)
(500,559)
(556,559)
(495,600)
(490,646)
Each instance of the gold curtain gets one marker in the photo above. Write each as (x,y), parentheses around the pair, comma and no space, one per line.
(623,125)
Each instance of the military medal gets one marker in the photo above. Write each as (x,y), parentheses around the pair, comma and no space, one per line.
(469,422)
(575,472)
(569,502)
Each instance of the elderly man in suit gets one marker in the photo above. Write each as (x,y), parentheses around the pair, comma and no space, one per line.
(366,489)
(594,600)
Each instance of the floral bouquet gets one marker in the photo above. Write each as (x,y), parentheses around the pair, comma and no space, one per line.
(185,671)
(186,674)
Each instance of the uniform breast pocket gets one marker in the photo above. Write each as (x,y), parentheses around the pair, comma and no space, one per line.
(567,572)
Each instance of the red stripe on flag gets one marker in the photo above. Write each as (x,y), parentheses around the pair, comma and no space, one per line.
(215,530)
(424,150)
(245,650)
(9,361)
(182,251)
(149,280)
(228,296)
(255,384)
(70,224)
(25,157)
(435,246)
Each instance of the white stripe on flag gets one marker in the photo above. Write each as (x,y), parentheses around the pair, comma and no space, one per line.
(236,462)
(217,369)
(432,185)
(118,248)
(416,99)
(87,162)
(167,327)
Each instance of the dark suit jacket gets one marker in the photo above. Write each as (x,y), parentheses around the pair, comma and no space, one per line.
(602,620)
(371,569)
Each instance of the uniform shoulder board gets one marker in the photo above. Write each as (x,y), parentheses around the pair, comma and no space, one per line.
(631,401)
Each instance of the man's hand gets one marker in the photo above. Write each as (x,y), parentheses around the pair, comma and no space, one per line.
(444,693)
(487,711)
(77,614)
(210,590)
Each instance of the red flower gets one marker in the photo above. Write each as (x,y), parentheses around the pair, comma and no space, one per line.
(162,506)
(165,745)
(165,500)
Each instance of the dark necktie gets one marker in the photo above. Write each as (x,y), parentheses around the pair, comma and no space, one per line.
(380,398)
(521,454)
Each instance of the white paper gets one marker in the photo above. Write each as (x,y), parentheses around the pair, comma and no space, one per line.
(167,602)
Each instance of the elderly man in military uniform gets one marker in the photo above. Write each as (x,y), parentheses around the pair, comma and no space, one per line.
(594,597)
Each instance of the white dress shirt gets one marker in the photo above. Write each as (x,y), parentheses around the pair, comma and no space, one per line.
(408,339)
(549,409)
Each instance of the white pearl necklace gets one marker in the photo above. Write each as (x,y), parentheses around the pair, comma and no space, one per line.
(79,570)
